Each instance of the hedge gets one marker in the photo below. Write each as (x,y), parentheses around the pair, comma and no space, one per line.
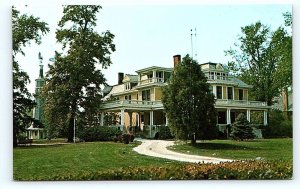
(223,171)
(100,133)
(164,132)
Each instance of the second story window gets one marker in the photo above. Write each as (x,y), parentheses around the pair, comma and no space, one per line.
(146,95)
(128,98)
(241,94)
(211,75)
(219,92)
(229,93)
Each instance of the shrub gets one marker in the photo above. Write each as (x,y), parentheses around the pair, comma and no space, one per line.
(280,125)
(165,133)
(99,133)
(126,138)
(241,128)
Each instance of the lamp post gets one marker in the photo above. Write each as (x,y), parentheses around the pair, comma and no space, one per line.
(74,138)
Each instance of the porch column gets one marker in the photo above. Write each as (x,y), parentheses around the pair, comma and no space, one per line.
(265,117)
(122,119)
(151,123)
(38,134)
(151,117)
(232,93)
(248,115)
(167,121)
(138,119)
(130,118)
(102,119)
(154,76)
(228,116)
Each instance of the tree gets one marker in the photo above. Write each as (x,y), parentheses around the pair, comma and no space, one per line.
(189,104)
(259,60)
(284,72)
(241,128)
(74,77)
(25,29)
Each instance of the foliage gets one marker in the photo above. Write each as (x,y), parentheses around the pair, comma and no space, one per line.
(111,118)
(241,128)
(223,171)
(279,125)
(165,133)
(25,29)
(188,102)
(263,59)
(98,133)
(74,79)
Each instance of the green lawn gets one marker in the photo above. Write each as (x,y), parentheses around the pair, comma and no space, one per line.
(268,149)
(45,162)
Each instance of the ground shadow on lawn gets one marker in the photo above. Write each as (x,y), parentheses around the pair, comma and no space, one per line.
(40,146)
(217,146)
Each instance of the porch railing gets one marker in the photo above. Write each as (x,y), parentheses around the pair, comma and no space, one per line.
(132,103)
(240,103)
(158,103)
(151,80)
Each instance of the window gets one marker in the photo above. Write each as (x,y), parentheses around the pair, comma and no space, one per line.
(229,93)
(146,95)
(219,92)
(127,86)
(159,74)
(212,75)
(241,94)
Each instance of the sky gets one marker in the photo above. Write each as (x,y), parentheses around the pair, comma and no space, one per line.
(149,35)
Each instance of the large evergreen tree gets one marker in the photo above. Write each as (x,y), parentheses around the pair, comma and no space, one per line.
(74,82)
(189,104)
(25,29)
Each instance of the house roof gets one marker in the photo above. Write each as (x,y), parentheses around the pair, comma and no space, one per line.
(240,83)
(154,68)
(216,66)
(107,89)
(115,89)
(130,78)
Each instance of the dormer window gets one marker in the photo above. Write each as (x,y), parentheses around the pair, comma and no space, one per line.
(127,86)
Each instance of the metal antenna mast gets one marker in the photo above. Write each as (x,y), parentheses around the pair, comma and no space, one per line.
(192,42)
(196,43)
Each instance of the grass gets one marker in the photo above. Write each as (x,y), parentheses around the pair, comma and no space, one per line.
(85,160)
(267,149)
(45,162)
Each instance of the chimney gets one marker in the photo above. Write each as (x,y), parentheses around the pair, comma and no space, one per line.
(176,59)
(120,77)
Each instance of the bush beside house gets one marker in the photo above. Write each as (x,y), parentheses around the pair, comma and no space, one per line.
(241,128)
(165,133)
(280,125)
(98,133)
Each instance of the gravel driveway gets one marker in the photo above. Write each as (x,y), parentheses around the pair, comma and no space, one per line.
(158,148)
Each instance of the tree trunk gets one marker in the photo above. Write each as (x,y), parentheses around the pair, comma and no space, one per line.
(71,129)
(15,142)
(193,139)
(285,102)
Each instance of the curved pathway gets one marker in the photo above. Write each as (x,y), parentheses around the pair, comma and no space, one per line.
(158,148)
